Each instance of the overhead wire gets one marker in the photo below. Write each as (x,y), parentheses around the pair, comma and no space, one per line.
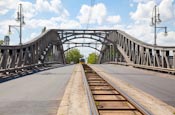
(89,17)
(90,13)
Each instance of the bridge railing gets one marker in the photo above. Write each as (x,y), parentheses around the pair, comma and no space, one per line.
(137,52)
(32,52)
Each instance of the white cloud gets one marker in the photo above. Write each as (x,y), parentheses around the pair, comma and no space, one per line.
(3,11)
(29,10)
(4,26)
(140,1)
(166,10)
(6,5)
(52,6)
(99,18)
(39,23)
(146,1)
(114,19)
(96,14)
(143,12)
(168,40)
(70,24)
(141,32)
(93,15)
(142,18)
(32,35)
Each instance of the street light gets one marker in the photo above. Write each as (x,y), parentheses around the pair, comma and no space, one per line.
(20,19)
(15,27)
(155,20)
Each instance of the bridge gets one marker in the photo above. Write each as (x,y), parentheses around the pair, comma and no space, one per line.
(35,78)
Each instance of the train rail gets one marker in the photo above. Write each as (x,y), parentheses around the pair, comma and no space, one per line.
(107,100)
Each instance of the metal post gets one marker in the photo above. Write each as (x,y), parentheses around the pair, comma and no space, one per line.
(155,31)
(155,21)
(20,19)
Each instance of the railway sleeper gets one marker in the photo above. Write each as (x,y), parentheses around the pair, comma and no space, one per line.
(107,99)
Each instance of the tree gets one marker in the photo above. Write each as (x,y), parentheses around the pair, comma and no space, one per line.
(92,58)
(73,55)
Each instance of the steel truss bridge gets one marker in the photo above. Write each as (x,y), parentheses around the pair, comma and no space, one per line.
(116,47)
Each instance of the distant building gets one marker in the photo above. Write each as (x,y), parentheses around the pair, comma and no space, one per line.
(6,40)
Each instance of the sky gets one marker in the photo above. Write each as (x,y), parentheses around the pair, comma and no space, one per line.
(131,16)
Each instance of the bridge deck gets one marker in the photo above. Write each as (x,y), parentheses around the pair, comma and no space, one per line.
(41,93)
(37,94)
(159,85)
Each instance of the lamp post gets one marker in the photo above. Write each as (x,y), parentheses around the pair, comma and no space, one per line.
(20,19)
(155,20)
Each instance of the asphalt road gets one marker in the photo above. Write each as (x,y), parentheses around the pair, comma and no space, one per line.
(149,82)
(37,94)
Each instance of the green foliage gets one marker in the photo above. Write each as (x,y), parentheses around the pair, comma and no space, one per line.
(92,58)
(1,42)
(73,55)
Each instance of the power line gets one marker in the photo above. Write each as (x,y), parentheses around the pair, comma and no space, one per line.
(89,17)
(90,13)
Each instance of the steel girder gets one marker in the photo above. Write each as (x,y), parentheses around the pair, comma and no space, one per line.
(116,46)
(137,52)
(99,37)
(33,52)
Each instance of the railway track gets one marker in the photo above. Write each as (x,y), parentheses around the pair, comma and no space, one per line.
(107,100)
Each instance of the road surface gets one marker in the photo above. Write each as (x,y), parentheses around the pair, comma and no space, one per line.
(160,87)
(37,94)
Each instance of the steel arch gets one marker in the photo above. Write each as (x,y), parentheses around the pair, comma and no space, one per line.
(83,46)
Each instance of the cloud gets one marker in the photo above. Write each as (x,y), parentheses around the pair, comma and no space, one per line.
(4,26)
(32,35)
(146,1)
(100,18)
(139,1)
(31,12)
(3,11)
(166,10)
(96,14)
(142,17)
(168,40)
(52,6)
(143,11)
(31,9)
(114,19)
(6,5)
(28,10)
(70,24)
(93,15)
(40,23)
